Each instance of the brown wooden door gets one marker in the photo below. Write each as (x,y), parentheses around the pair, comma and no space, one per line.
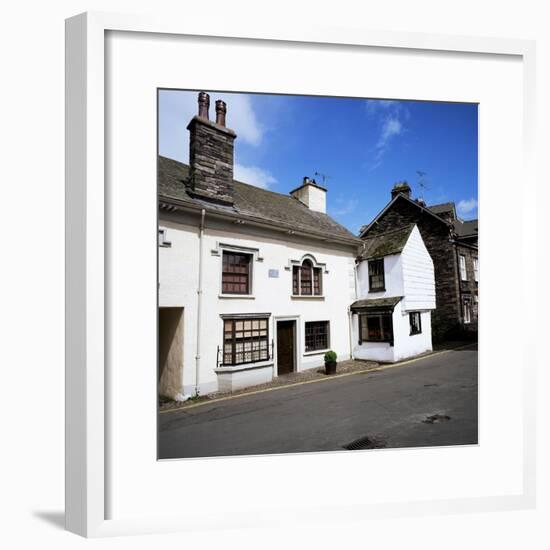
(285,346)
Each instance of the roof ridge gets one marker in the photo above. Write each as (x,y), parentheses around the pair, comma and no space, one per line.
(285,195)
(402,228)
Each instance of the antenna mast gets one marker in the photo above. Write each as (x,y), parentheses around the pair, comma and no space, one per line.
(422,183)
(323,176)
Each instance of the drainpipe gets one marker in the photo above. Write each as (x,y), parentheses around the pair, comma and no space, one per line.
(199,304)
(350,327)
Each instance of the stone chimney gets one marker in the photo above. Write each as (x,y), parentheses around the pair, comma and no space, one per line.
(211,154)
(312,195)
(402,188)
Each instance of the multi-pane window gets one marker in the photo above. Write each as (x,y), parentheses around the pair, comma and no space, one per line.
(307,280)
(463,273)
(245,341)
(236,273)
(415,322)
(375,327)
(317,335)
(467,310)
(376,275)
(476,270)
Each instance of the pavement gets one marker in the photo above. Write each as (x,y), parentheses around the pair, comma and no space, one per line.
(388,406)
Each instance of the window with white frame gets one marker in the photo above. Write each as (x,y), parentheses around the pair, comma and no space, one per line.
(463,274)
(476,270)
(467,310)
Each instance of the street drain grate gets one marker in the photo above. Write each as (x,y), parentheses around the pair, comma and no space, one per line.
(431,385)
(365,443)
(436,419)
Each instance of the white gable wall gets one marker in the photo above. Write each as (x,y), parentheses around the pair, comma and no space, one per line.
(418,274)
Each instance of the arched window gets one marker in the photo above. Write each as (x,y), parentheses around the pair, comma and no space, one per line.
(307,279)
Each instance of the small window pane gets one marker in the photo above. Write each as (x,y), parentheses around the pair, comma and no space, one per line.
(245,341)
(317,335)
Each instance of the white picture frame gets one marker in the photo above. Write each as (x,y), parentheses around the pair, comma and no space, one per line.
(87,427)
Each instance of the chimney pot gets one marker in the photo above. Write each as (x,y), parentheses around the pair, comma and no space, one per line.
(204,105)
(221,110)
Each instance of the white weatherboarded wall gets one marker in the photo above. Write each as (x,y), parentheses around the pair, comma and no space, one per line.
(418,274)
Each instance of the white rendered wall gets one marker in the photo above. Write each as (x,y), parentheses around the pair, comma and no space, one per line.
(178,278)
(405,345)
(418,274)
(393,274)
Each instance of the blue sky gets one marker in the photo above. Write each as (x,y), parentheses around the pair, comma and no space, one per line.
(363,146)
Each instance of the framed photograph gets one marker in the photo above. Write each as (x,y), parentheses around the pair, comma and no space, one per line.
(287,275)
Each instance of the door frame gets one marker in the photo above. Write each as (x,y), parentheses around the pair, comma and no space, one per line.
(297,341)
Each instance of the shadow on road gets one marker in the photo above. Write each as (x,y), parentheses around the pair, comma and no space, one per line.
(465,345)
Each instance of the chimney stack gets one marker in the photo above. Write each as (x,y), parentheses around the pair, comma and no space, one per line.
(401,188)
(312,195)
(211,154)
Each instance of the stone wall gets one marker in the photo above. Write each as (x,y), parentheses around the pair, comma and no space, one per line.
(469,288)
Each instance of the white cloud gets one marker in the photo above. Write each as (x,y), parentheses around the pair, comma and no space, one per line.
(177,108)
(390,117)
(254,176)
(465,207)
(376,105)
(391,126)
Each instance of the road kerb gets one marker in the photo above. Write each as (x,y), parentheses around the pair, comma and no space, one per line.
(327,379)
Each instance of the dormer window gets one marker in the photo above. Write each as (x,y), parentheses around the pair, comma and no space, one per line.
(307,279)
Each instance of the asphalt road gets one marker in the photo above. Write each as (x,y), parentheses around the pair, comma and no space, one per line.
(388,406)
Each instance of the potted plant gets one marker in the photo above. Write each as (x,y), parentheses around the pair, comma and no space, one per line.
(330,362)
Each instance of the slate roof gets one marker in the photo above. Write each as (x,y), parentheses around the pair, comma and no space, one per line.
(441,208)
(466,228)
(462,228)
(377,303)
(385,244)
(252,203)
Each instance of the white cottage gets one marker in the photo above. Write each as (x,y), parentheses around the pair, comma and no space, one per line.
(252,284)
(396,291)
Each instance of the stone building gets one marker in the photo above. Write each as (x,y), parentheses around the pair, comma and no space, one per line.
(453,247)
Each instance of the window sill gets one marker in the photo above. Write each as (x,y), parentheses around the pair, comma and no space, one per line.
(236,297)
(316,352)
(244,366)
(306,297)
(377,290)
(415,333)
